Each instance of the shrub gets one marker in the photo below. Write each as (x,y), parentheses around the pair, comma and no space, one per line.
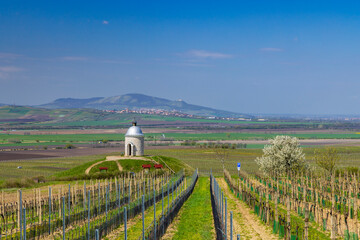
(69,146)
(39,179)
(188,143)
(14,140)
(18,183)
(241,145)
(327,160)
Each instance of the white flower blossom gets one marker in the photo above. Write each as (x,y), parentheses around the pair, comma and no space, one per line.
(281,156)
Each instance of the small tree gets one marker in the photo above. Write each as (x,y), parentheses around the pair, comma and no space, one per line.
(282,156)
(327,159)
(222,155)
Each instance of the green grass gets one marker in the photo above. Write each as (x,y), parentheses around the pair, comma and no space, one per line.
(195,219)
(78,170)
(255,136)
(45,167)
(205,158)
(177,158)
(134,165)
(67,167)
(135,230)
(174,163)
(111,165)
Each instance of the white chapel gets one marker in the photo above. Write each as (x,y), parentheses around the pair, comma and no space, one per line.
(134,141)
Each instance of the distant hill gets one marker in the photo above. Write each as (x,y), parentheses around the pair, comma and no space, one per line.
(139,101)
(70,103)
(25,117)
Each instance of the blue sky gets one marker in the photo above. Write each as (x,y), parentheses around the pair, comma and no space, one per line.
(243,56)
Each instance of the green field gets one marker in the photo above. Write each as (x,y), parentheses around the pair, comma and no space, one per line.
(255,136)
(202,158)
(43,167)
(205,159)
(62,137)
(56,139)
(74,167)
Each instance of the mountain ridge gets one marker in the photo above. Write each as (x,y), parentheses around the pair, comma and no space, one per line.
(136,101)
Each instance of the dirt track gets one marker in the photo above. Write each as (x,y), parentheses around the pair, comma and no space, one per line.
(247,224)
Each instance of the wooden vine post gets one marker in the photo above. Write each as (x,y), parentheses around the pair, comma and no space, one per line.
(306,226)
(276,201)
(333,220)
(2,202)
(288,217)
(355,204)
(59,198)
(18,209)
(40,211)
(267,203)
(349,195)
(288,220)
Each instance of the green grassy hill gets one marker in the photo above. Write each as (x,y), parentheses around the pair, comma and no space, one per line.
(128,165)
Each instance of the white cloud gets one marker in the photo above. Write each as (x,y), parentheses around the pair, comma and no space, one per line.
(201,54)
(74,58)
(6,71)
(9,69)
(269,49)
(9,55)
(105,22)
(191,64)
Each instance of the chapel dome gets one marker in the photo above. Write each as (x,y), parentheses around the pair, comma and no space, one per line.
(134,131)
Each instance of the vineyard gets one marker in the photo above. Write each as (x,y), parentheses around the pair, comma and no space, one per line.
(96,209)
(163,205)
(295,207)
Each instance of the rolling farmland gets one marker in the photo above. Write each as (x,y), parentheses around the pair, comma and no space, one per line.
(110,205)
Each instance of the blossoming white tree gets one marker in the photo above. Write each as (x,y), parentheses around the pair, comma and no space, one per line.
(282,156)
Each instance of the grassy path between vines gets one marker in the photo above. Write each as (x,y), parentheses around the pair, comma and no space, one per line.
(135,229)
(195,220)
